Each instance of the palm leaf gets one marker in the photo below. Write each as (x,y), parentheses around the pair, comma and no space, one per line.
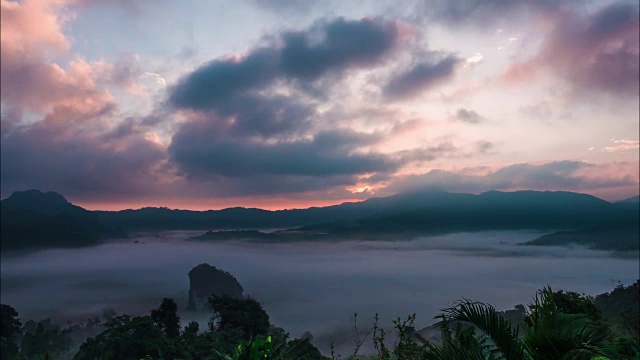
(484,317)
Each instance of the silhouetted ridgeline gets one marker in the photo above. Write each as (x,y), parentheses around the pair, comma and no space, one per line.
(582,219)
(585,219)
(420,210)
(33,219)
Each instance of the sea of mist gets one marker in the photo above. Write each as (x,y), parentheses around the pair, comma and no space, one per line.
(314,287)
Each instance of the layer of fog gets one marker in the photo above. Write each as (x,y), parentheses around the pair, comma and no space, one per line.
(309,286)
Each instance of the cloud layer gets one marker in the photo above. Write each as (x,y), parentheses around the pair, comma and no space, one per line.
(421,76)
(558,175)
(306,55)
(594,52)
(242,132)
(334,107)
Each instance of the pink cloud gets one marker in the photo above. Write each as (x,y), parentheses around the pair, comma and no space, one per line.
(622,145)
(31,38)
(80,152)
(31,41)
(79,145)
(598,52)
(32,27)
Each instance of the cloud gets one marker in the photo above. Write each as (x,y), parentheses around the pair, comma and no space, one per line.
(480,12)
(468,116)
(558,175)
(234,165)
(162,82)
(421,76)
(622,145)
(475,58)
(31,42)
(484,146)
(30,34)
(32,26)
(253,121)
(342,43)
(303,55)
(74,140)
(199,153)
(215,82)
(78,154)
(289,6)
(125,72)
(264,115)
(593,52)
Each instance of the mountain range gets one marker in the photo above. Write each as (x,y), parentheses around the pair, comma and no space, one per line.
(33,218)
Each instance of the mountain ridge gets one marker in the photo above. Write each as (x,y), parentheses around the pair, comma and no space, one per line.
(407,214)
(34,219)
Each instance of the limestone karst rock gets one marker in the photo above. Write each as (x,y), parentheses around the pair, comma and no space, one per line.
(206,280)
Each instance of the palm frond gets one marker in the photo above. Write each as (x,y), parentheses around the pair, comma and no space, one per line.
(485,318)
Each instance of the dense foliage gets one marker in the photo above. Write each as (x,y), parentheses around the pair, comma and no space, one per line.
(556,325)
(559,325)
(238,329)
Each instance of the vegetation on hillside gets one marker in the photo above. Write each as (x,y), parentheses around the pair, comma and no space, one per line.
(558,325)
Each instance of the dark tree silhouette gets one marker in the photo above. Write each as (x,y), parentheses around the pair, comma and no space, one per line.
(9,331)
(166,318)
(245,316)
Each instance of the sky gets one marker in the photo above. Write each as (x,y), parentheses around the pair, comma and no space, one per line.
(286,104)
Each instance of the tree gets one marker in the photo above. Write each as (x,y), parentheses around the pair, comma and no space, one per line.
(9,331)
(166,318)
(243,317)
(44,338)
(284,348)
(127,338)
(573,303)
(548,333)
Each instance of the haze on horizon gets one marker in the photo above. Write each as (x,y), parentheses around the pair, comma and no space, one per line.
(272,104)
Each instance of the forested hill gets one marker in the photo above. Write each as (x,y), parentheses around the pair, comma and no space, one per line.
(418,210)
(33,219)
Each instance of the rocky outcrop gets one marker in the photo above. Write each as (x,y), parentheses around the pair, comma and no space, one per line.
(206,280)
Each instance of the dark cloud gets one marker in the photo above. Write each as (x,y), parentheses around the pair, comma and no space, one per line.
(219,80)
(266,185)
(421,77)
(427,153)
(596,52)
(266,116)
(341,43)
(199,153)
(245,139)
(559,175)
(88,161)
(469,116)
(484,146)
(304,55)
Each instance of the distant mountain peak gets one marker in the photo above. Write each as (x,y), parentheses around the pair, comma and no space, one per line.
(36,200)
